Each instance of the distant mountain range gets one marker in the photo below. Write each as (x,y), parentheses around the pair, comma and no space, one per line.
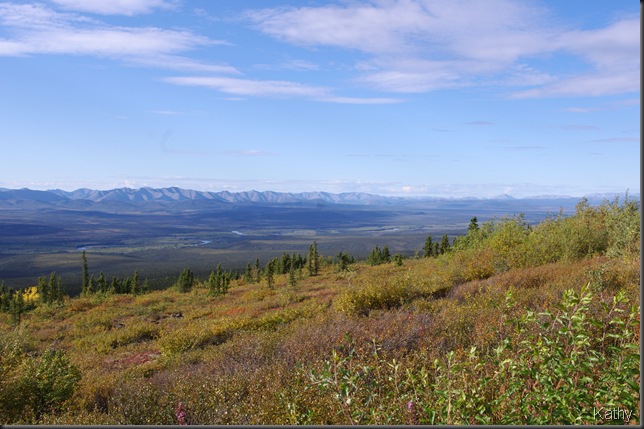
(174,194)
(178,194)
(175,198)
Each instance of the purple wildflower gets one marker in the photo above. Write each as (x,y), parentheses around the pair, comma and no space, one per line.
(413,414)
(180,414)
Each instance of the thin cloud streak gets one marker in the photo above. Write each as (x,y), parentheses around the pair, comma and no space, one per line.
(116,7)
(36,29)
(271,88)
(416,47)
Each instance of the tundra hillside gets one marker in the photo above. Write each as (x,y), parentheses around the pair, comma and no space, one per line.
(509,324)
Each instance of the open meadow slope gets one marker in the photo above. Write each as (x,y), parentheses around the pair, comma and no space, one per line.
(510,324)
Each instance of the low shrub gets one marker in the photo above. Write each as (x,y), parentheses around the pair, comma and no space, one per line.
(556,367)
(193,336)
(383,293)
(38,386)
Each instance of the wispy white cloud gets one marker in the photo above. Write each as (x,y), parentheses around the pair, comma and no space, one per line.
(251,87)
(404,46)
(271,88)
(295,65)
(116,7)
(613,53)
(415,46)
(35,29)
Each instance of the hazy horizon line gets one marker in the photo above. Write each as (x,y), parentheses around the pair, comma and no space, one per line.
(457,194)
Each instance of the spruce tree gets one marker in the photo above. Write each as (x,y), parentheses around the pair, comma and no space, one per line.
(225,282)
(398,259)
(314,258)
(5,298)
(101,283)
(60,291)
(43,290)
(17,306)
(269,274)
(343,261)
(285,264)
(219,280)
(55,288)
(292,280)
(248,276)
(428,249)
(386,256)
(90,285)
(134,284)
(145,287)
(212,283)
(85,286)
(444,247)
(474,224)
(186,281)
(258,271)
(375,257)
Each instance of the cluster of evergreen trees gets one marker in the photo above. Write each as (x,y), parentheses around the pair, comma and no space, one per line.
(435,248)
(292,265)
(50,290)
(377,256)
(344,259)
(102,285)
(17,302)
(12,302)
(219,281)
(186,281)
(286,264)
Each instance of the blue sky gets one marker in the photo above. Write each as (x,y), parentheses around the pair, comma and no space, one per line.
(443,98)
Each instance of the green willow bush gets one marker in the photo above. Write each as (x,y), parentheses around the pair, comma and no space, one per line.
(569,366)
(612,228)
(31,387)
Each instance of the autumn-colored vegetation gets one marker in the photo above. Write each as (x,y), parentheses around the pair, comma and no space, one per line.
(512,324)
